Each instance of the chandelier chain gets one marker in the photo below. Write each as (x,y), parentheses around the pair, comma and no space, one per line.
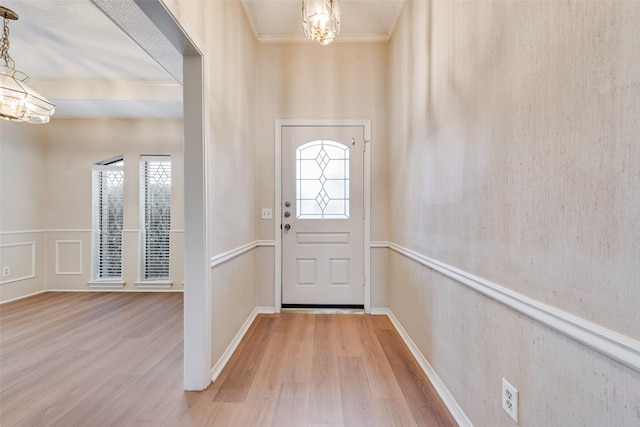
(4,45)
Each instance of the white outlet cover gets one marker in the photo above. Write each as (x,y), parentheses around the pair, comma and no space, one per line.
(509,399)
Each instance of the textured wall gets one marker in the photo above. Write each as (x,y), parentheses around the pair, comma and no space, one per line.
(515,158)
(309,81)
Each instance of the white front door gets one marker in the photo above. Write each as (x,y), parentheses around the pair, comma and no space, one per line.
(322,215)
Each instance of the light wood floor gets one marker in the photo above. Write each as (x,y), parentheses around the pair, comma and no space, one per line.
(102,359)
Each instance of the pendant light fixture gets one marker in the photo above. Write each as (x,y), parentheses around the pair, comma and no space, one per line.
(321,20)
(17,100)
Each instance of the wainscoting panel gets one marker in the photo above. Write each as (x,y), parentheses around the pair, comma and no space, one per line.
(69,257)
(18,262)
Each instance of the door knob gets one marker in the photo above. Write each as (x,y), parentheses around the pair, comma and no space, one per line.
(287,226)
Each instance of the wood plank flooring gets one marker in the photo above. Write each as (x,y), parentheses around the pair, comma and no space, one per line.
(115,359)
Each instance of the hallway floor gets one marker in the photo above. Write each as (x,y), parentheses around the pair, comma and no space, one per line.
(98,359)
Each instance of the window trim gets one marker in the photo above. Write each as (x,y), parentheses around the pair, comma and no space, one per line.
(143,282)
(110,164)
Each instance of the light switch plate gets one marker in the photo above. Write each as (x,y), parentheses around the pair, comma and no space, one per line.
(267,213)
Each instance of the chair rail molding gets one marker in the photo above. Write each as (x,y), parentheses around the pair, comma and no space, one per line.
(216,260)
(610,343)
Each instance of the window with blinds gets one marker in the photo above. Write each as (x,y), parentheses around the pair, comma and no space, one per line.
(155,214)
(108,190)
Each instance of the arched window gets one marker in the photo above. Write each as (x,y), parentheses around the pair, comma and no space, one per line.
(155,213)
(322,180)
(108,199)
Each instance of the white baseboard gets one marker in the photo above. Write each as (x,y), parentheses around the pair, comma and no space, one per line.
(446,396)
(138,291)
(23,297)
(266,310)
(222,362)
(438,384)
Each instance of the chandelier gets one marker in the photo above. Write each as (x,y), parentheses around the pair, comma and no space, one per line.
(321,20)
(17,100)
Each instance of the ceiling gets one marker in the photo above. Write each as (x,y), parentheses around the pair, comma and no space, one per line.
(360,21)
(78,55)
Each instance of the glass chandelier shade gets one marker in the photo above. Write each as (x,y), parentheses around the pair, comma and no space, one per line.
(321,20)
(18,101)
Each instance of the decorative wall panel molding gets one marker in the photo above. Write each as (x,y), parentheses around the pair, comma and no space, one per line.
(18,262)
(69,254)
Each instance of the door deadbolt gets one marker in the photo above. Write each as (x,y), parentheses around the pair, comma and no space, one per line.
(287,204)
(287,214)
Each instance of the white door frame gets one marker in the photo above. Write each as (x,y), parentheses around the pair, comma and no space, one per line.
(167,18)
(279,124)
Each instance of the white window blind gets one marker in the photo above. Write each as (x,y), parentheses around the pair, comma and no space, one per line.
(155,214)
(108,190)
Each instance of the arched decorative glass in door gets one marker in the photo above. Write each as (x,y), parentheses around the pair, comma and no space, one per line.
(322,180)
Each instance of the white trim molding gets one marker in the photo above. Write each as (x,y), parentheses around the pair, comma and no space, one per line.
(380,245)
(605,341)
(139,291)
(154,284)
(216,260)
(60,272)
(224,359)
(69,230)
(442,390)
(106,285)
(23,297)
(33,262)
(9,233)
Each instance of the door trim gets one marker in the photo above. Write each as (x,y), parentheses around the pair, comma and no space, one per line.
(366,250)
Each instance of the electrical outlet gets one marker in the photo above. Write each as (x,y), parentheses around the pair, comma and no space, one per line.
(6,271)
(267,213)
(510,400)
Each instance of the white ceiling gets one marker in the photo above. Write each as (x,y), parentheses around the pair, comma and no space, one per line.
(84,62)
(361,20)
(77,57)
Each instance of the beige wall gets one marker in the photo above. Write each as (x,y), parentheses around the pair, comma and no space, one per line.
(309,81)
(22,216)
(514,127)
(229,58)
(47,191)
(73,146)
